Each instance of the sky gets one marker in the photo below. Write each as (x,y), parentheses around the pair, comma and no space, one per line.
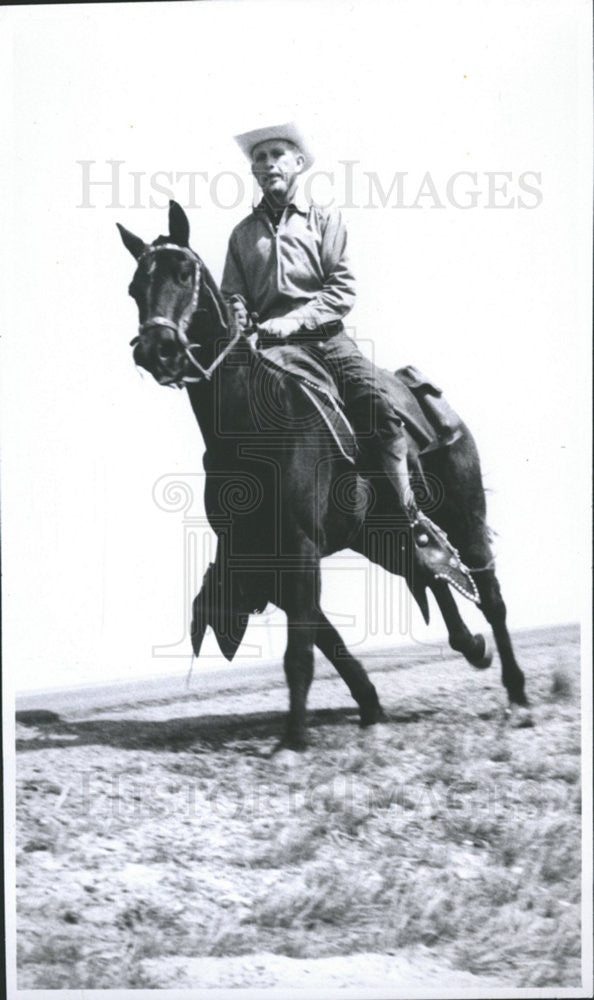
(457,141)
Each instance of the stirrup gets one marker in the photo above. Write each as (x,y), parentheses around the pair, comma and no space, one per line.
(436,554)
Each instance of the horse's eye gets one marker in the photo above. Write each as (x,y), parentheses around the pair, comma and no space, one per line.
(185,271)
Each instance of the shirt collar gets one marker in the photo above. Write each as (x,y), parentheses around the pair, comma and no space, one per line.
(297,204)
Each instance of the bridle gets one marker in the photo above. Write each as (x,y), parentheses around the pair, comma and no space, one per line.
(180,328)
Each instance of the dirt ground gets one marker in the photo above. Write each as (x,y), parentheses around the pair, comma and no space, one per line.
(160,845)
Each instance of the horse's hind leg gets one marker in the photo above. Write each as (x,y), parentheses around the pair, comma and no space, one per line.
(473,647)
(462,515)
(353,673)
(495,612)
(477,554)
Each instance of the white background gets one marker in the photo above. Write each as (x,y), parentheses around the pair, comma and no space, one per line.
(493,304)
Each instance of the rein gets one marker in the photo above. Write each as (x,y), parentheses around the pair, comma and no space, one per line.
(180,328)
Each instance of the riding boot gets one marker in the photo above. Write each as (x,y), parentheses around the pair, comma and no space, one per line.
(434,553)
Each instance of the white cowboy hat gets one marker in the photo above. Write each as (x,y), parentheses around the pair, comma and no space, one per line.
(247,141)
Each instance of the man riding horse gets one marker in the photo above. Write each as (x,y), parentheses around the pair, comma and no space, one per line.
(287,263)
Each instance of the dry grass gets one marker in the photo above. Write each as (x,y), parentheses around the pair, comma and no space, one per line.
(448,831)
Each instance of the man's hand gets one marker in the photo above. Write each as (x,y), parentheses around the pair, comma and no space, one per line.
(281,326)
(238,312)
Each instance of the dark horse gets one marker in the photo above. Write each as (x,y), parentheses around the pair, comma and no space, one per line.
(280,495)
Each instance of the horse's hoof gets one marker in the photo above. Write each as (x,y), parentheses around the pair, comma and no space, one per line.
(483,658)
(371,716)
(520,717)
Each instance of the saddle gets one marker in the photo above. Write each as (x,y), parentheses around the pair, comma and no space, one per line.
(419,402)
(319,386)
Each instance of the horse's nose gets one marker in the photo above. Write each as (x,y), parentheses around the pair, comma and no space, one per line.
(162,342)
(166,348)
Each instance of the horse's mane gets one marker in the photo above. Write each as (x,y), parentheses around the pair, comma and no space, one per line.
(210,287)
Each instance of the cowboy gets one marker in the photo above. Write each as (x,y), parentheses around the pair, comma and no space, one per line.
(287,263)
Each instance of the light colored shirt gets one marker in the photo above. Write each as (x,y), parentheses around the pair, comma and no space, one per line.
(299,270)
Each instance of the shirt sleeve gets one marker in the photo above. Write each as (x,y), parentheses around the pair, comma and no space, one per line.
(336,298)
(233,281)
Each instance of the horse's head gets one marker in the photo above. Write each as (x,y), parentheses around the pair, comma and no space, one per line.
(181,314)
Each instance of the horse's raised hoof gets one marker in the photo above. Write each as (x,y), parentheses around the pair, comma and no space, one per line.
(482,655)
(519,716)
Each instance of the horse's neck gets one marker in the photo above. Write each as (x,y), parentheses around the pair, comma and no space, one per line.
(208,397)
(222,405)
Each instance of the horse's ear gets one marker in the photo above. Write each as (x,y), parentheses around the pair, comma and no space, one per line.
(133,243)
(179,227)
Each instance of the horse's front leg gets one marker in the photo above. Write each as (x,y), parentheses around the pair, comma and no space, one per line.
(352,672)
(299,604)
(299,663)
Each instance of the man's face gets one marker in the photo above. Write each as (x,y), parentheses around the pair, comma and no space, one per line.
(276,165)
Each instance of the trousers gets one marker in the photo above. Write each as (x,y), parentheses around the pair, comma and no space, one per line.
(365,392)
